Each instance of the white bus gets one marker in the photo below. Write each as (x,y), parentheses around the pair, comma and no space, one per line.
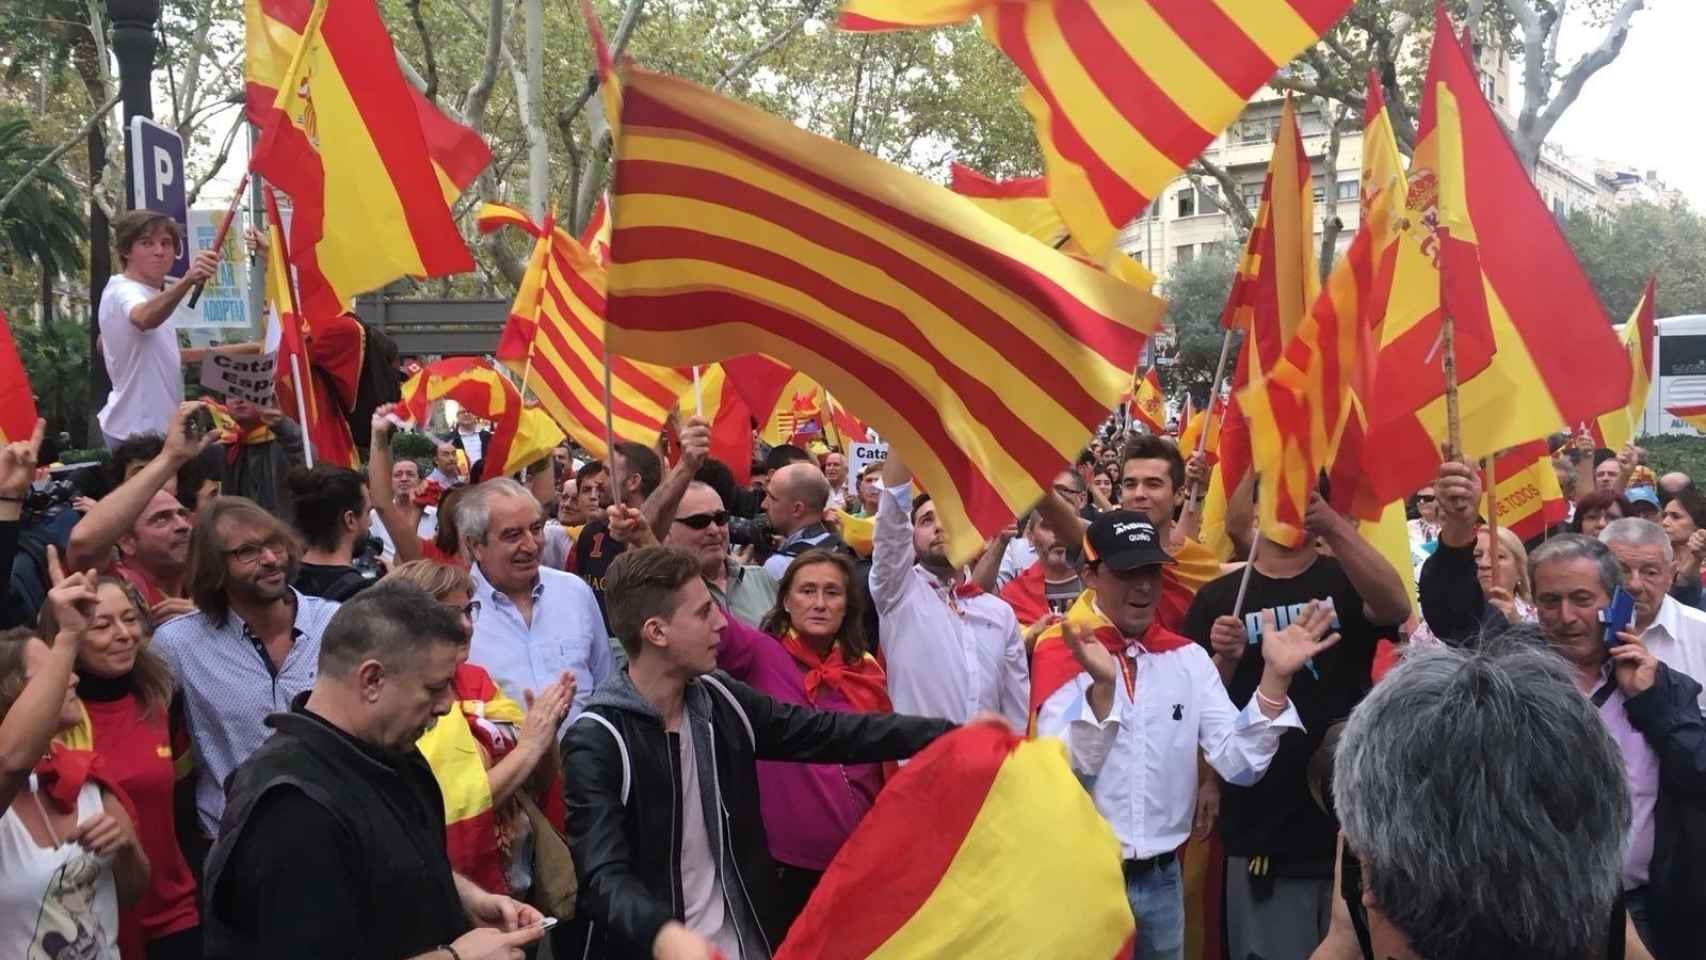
(1679,368)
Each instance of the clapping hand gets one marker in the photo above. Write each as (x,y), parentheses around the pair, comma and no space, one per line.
(1286,651)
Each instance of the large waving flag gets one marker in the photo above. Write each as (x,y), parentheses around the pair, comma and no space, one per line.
(1275,285)
(984,358)
(1478,235)
(1124,93)
(1023,204)
(17,402)
(521,434)
(1614,429)
(346,140)
(555,337)
(979,866)
(1148,404)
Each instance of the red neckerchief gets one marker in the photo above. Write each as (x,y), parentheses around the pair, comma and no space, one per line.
(63,772)
(863,683)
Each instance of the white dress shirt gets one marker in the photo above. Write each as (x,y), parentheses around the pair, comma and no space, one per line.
(948,656)
(1140,763)
(1677,637)
(566,633)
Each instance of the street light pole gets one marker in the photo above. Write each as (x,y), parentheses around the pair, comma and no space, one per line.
(133,43)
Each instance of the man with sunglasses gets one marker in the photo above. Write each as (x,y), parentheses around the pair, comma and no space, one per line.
(701,526)
(535,623)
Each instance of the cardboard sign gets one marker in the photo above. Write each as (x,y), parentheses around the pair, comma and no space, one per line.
(862,455)
(247,377)
(224,304)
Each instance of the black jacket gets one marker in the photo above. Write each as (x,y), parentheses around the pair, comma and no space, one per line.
(351,837)
(1668,716)
(625,804)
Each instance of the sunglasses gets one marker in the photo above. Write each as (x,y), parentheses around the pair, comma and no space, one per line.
(1425,498)
(700,521)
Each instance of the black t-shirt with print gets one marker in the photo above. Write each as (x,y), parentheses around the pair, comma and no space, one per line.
(1277,817)
(595,551)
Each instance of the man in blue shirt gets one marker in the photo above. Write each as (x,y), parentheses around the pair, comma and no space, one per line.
(533,623)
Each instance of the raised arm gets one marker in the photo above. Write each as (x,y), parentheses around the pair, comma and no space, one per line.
(114,514)
(659,508)
(34,717)
(157,309)
(383,495)
(1385,599)
(892,553)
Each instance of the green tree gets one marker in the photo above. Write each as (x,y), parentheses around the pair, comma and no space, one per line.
(56,357)
(1196,293)
(42,227)
(1618,252)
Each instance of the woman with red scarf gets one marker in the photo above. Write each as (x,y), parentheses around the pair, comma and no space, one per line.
(69,857)
(812,651)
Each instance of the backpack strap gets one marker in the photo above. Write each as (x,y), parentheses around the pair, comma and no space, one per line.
(621,748)
(739,710)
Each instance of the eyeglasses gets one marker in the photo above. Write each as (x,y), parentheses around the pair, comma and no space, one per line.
(1067,491)
(251,552)
(471,610)
(700,521)
(1425,498)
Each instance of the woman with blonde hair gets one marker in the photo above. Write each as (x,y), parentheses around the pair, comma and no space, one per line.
(483,762)
(1505,586)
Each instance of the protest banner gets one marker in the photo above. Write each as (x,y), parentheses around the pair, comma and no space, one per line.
(247,377)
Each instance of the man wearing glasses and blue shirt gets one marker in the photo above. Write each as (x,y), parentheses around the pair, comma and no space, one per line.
(534,623)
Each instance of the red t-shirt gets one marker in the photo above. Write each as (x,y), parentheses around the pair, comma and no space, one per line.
(151,594)
(137,754)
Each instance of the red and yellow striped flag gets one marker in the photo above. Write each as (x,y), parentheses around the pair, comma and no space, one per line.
(1124,93)
(1692,414)
(557,323)
(17,401)
(970,812)
(345,139)
(1022,204)
(1276,283)
(1528,498)
(1477,234)
(1612,430)
(1148,404)
(521,434)
(1207,419)
(985,359)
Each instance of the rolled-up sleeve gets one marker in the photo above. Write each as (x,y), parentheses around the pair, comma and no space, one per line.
(1239,744)
(1066,715)
(892,554)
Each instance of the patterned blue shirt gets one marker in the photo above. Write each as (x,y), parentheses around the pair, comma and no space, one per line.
(229,687)
(567,633)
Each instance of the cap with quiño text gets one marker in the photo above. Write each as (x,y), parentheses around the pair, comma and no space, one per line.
(1124,540)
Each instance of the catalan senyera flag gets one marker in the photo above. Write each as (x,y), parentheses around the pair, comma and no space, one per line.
(555,337)
(1148,405)
(345,140)
(1023,203)
(1692,414)
(1612,430)
(1548,371)
(967,810)
(985,359)
(1124,93)
(17,401)
(609,82)
(730,418)
(764,383)
(1276,282)
(1528,498)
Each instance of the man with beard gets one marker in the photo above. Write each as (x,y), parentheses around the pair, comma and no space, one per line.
(140,531)
(250,645)
(953,651)
(338,815)
(534,623)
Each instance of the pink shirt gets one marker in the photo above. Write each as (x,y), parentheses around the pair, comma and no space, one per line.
(1643,767)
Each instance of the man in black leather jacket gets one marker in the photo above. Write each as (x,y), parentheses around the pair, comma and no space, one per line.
(665,829)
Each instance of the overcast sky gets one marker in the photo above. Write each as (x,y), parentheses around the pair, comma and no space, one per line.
(1643,111)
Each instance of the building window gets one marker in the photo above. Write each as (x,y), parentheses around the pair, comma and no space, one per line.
(1347,189)
(1253,197)
(1320,190)
(1253,131)
(1208,198)
(1184,253)
(1187,202)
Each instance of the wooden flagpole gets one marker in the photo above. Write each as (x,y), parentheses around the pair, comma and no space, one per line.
(1193,501)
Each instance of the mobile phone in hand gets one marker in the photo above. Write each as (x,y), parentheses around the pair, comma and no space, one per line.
(1617,617)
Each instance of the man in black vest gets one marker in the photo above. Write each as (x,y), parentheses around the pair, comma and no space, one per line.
(332,841)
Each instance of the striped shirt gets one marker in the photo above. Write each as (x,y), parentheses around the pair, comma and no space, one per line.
(230,687)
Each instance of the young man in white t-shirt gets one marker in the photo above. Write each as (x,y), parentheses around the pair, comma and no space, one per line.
(138,339)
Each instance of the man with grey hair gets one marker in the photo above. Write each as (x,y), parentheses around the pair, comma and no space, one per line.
(1468,847)
(795,501)
(532,624)
(1653,715)
(1673,631)
(332,842)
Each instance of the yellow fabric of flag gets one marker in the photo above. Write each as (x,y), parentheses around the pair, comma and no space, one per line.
(1620,426)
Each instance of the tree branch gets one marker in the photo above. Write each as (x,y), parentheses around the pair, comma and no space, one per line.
(1616,34)
(430,90)
(218,161)
(765,49)
(1231,200)
(57,152)
(474,105)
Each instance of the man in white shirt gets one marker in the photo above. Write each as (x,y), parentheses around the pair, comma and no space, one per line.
(138,340)
(468,437)
(1135,702)
(953,651)
(1674,632)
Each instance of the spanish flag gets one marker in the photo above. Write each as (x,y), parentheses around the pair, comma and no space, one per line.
(995,828)
(1208,419)
(1148,405)
(1640,334)
(1478,238)
(452,748)
(345,140)
(985,359)
(730,418)
(1124,93)
(17,402)
(555,338)
(1527,497)
(521,435)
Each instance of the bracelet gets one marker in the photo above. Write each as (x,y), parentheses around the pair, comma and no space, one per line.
(447,948)
(1276,704)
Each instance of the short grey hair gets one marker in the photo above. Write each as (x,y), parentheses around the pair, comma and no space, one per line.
(1636,532)
(1487,803)
(474,510)
(1575,546)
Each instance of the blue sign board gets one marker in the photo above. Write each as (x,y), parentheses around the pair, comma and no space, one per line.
(157,178)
